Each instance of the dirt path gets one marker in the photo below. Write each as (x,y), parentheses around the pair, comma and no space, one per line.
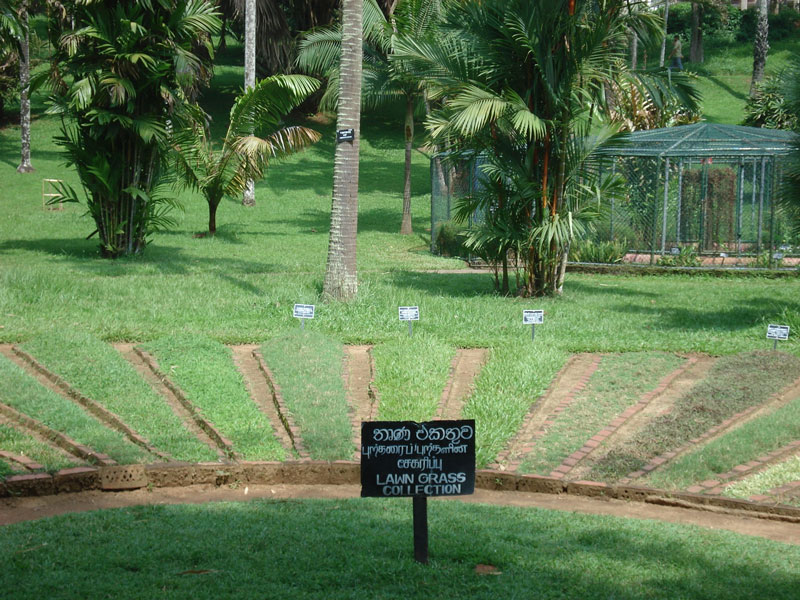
(13,510)
(467,363)
(187,418)
(358,378)
(569,382)
(260,392)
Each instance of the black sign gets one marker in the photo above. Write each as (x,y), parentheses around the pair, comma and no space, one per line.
(345,135)
(405,458)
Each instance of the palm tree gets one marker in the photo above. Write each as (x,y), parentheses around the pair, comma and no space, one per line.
(385,80)
(243,157)
(249,192)
(120,79)
(341,277)
(25,165)
(520,82)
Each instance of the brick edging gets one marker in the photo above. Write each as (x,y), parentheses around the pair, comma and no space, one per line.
(349,473)
(94,408)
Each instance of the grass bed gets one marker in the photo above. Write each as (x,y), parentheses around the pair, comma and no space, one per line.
(743,444)
(363,549)
(308,368)
(515,376)
(410,375)
(25,394)
(203,368)
(102,374)
(769,479)
(20,444)
(733,384)
(619,382)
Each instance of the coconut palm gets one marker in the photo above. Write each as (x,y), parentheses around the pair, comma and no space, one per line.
(120,79)
(521,81)
(384,80)
(243,156)
(341,276)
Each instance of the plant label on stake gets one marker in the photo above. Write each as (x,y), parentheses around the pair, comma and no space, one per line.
(777,332)
(303,312)
(405,458)
(532,318)
(410,314)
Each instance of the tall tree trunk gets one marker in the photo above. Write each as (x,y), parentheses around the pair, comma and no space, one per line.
(212,217)
(760,46)
(25,165)
(405,226)
(634,50)
(249,197)
(341,280)
(664,41)
(696,49)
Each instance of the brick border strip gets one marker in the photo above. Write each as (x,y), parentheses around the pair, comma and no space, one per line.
(727,424)
(349,473)
(59,439)
(283,412)
(715,486)
(23,461)
(528,446)
(94,408)
(770,496)
(595,441)
(220,440)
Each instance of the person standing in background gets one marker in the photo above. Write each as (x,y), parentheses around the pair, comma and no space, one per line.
(676,55)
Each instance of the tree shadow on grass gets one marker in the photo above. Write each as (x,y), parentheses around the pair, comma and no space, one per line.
(597,287)
(453,285)
(363,549)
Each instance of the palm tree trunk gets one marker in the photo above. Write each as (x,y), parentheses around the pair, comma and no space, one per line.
(696,47)
(341,280)
(664,41)
(760,46)
(249,198)
(405,226)
(25,165)
(212,217)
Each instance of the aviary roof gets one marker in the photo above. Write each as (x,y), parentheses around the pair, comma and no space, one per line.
(703,140)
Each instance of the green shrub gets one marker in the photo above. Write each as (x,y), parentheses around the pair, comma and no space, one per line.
(598,252)
(768,108)
(687,257)
(450,239)
(781,26)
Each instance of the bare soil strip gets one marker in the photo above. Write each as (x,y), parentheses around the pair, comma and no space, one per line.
(22,461)
(466,365)
(128,353)
(53,382)
(51,437)
(777,400)
(720,482)
(260,391)
(665,386)
(222,445)
(358,376)
(286,417)
(570,381)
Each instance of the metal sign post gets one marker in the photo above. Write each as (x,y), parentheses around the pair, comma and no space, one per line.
(303,312)
(777,332)
(410,314)
(533,318)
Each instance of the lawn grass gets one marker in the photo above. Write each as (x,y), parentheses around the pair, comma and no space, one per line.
(203,368)
(25,394)
(745,443)
(102,374)
(733,384)
(363,549)
(515,376)
(16,442)
(769,479)
(307,367)
(410,375)
(619,382)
